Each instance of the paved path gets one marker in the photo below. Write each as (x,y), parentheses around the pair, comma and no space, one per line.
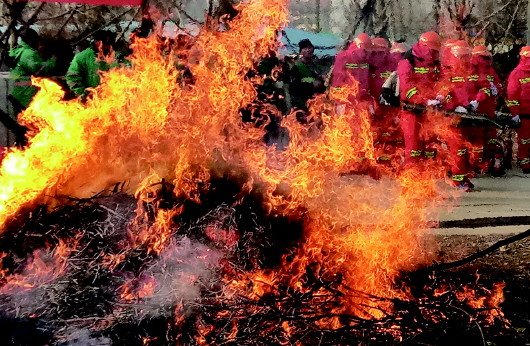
(499,205)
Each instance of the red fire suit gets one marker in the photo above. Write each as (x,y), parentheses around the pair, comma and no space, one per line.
(518,100)
(397,52)
(387,133)
(445,55)
(416,79)
(486,144)
(353,65)
(461,87)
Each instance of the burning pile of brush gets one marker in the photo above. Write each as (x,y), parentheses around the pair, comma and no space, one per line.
(78,274)
(152,215)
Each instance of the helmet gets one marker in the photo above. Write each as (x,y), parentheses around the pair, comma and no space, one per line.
(481,51)
(363,41)
(525,52)
(380,44)
(398,48)
(430,39)
(448,44)
(460,48)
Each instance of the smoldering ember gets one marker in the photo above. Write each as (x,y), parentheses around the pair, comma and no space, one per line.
(150,214)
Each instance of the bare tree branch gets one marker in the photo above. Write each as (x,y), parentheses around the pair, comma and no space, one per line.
(72,14)
(181,10)
(85,35)
(33,18)
(493,14)
(514,14)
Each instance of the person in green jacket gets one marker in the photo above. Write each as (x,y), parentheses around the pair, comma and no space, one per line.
(306,79)
(84,69)
(28,62)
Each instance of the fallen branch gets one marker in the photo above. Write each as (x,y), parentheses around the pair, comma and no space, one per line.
(468,259)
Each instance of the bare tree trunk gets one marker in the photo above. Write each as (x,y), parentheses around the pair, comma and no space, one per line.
(528,23)
(146,24)
(318,15)
(9,38)
(437,8)
(210,8)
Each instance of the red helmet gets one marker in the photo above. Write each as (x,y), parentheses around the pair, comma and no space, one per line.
(525,52)
(398,48)
(380,44)
(481,51)
(449,43)
(460,48)
(363,41)
(430,39)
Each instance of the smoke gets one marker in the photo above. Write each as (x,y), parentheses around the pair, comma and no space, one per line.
(83,337)
(184,269)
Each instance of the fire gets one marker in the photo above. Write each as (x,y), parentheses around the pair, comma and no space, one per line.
(488,302)
(44,267)
(139,120)
(138,289)
(161,140)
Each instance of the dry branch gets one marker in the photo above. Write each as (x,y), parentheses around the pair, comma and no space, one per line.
(471,258)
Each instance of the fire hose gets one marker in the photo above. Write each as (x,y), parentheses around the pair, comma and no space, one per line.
(502,121)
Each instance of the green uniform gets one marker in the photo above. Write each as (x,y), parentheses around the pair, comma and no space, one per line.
(302,86)
(84,70)
(28,63)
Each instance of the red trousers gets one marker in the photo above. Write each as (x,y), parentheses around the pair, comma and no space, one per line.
(387,132)
(459,154)
(523,135)
(410,126)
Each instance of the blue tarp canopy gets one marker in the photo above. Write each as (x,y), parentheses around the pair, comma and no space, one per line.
(325,43)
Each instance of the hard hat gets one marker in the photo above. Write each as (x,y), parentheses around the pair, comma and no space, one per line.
(363,41)
(525,52)
(380,44)
(430,39)
(481,50)
(398,48)
(460,48)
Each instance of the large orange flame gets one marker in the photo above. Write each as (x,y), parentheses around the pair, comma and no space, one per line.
(141,126)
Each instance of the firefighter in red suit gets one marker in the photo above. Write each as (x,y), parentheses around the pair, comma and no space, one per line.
(445,55)
(397,52)
(463,91)
(381,65)
(488,146)
(518,100)
(353,65)
(384,122)
(417,73)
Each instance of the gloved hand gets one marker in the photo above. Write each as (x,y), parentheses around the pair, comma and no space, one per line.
(460,109)
(493,89)
(516,121)
(433,103)
(474,105)
(371,109)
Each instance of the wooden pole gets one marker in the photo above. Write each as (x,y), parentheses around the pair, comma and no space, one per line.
(528,23)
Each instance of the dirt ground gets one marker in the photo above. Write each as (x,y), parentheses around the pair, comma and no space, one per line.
(510,264)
